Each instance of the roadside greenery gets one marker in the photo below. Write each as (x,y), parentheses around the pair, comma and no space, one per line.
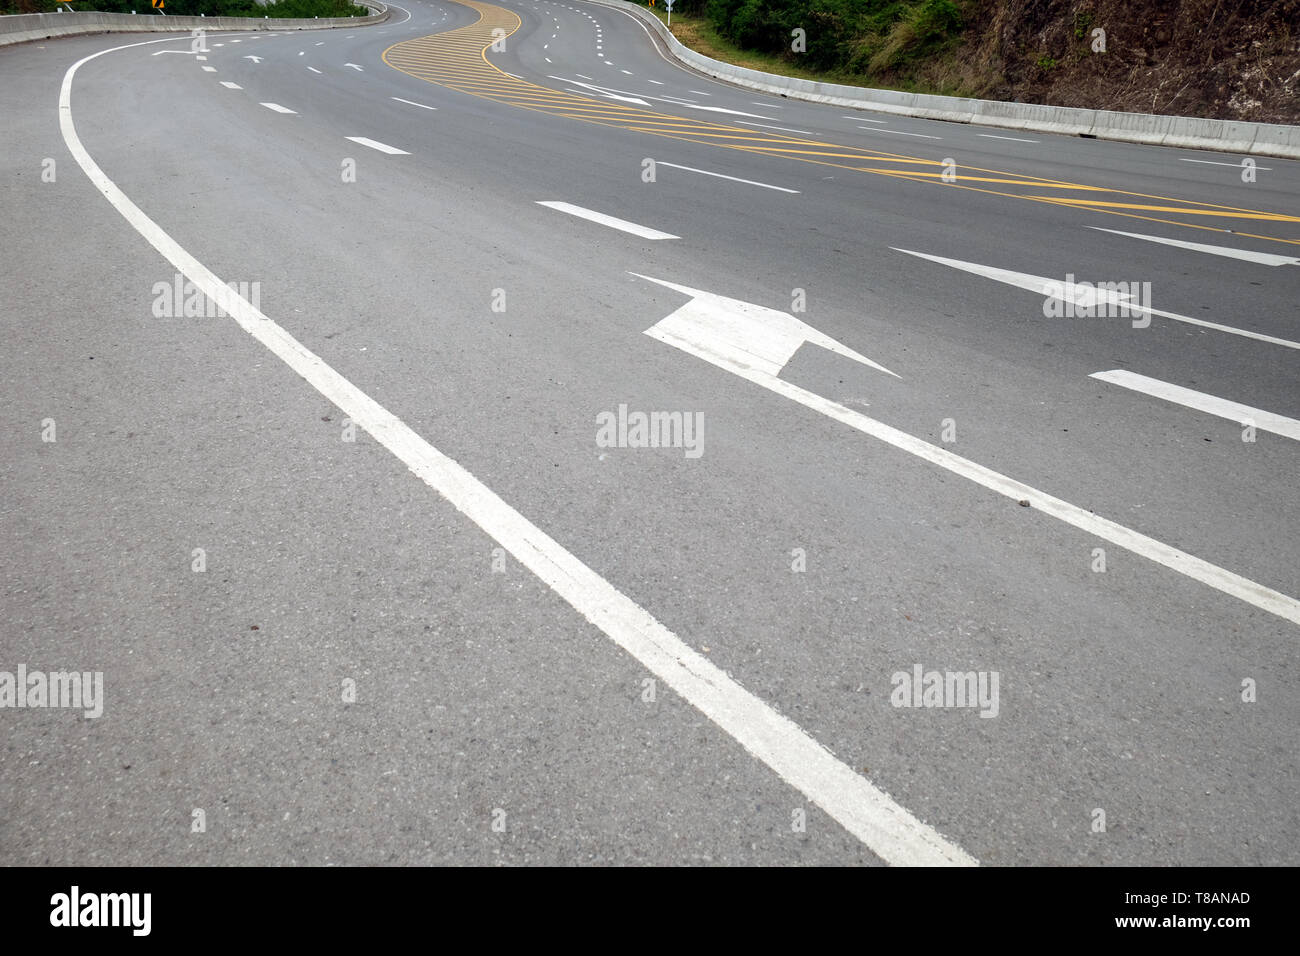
(862,39)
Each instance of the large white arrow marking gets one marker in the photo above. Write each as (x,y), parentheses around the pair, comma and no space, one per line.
(754,343)
(255,59)
(740,336)
(1086,296)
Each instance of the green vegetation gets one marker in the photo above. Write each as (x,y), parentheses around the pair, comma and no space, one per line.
(880,43)
(861,37)
(305,9)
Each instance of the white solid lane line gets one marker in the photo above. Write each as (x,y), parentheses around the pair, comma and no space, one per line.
(704,329)
(278,108)
(231,86)
(613,222)
(734,179)
(1263,258)
(1233,411)
(886,828)
(413,103)
(382,147)
(898,132)
(1014,139)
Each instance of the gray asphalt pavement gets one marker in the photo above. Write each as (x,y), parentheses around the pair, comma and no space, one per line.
(1144,714)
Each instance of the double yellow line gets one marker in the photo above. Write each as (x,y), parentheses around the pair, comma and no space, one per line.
(458,60)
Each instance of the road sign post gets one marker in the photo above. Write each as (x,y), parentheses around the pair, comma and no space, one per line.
(669,5)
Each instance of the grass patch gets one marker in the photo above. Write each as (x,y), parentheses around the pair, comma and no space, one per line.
(698,34)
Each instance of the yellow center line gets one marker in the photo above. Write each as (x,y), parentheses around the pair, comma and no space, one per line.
(458,60)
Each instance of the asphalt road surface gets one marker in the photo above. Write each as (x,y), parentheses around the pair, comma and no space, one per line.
(597,463)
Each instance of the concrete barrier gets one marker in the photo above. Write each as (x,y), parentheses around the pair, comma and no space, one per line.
(26,27)
(1262,139)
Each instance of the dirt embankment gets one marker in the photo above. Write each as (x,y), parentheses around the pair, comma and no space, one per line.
(1221,59)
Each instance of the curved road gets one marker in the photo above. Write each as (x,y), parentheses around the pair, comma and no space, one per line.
(375,571)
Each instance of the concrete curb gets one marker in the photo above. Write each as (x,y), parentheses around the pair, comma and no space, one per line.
(1260,139)
(25,27)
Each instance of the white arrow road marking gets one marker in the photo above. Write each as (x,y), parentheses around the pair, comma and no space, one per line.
(1263,258)
(742,334)
(867,812)
(255,59)
(734,179)
(355,67)
(413,103)
(734,336)
(382,147)
(645,232)
(1233,411)
(1086,296)
(278,108)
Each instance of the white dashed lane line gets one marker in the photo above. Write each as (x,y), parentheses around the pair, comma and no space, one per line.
(899,132)
(279,109)
(645,232)
(231,86)
(734,179)
(413,103)
(783,129)
(382,147)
